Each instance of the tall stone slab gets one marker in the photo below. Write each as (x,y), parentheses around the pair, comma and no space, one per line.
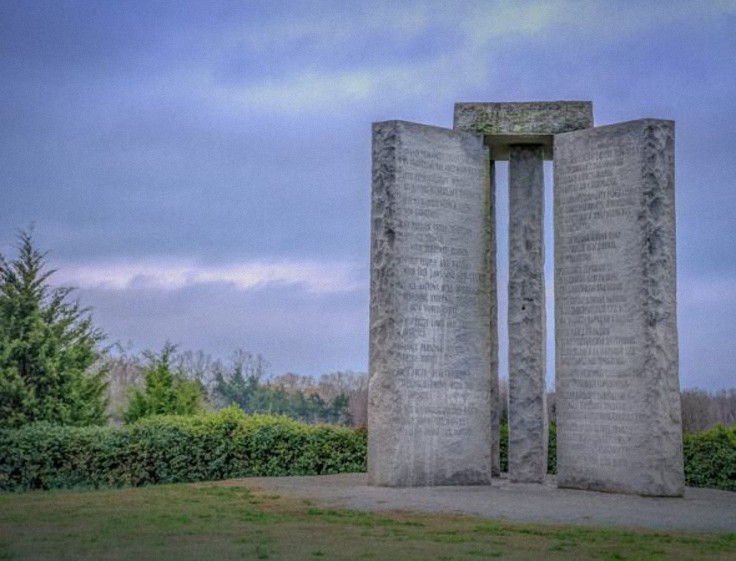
(429,413)
(527,452)
(618,404)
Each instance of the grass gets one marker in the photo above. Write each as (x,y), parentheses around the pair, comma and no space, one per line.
(223,522)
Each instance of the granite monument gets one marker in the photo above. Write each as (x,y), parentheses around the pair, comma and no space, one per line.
(433,387)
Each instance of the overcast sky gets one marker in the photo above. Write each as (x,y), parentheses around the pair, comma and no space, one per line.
(201,170)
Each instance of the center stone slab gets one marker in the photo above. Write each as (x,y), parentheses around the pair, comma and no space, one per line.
(429,396)
(523,133)
(527,452)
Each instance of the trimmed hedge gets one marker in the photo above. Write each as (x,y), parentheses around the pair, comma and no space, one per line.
(231,444)
(171,449)
(710,458)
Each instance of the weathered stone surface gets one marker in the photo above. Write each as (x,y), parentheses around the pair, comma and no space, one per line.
(525,117)
(526,317)
(618,405)
(430,318)
(508,123)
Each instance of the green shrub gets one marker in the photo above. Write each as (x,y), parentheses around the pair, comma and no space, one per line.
(503,430)
(175,449)
(166,391)
(552,449)
(710,458)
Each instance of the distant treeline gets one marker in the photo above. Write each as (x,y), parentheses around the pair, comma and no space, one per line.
(338,397)
(244,380)
(702,410)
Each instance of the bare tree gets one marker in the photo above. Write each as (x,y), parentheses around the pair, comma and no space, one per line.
(702,410)
(503,399)
(354,386)
(196,365)
(124,371)
(291,382)
(724,407)
(552,406)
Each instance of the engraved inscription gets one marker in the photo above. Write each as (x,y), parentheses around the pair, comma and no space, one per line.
(596,301)
(429,392)
(618,407)
(440,275)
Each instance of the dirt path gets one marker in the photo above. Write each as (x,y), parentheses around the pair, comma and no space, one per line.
(700,510)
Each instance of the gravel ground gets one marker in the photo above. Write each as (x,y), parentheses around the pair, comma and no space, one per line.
(700,510)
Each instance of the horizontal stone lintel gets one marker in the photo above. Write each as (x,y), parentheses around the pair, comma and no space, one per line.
(536,122)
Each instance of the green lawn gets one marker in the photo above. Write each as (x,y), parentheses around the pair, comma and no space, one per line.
(223,522)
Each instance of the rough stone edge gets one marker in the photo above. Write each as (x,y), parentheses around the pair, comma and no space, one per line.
(659,296)
(383,172)
(657,180)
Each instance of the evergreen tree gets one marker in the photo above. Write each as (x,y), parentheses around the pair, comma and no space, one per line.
(232,386)
(166,390)
(48,347)
(240,383)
